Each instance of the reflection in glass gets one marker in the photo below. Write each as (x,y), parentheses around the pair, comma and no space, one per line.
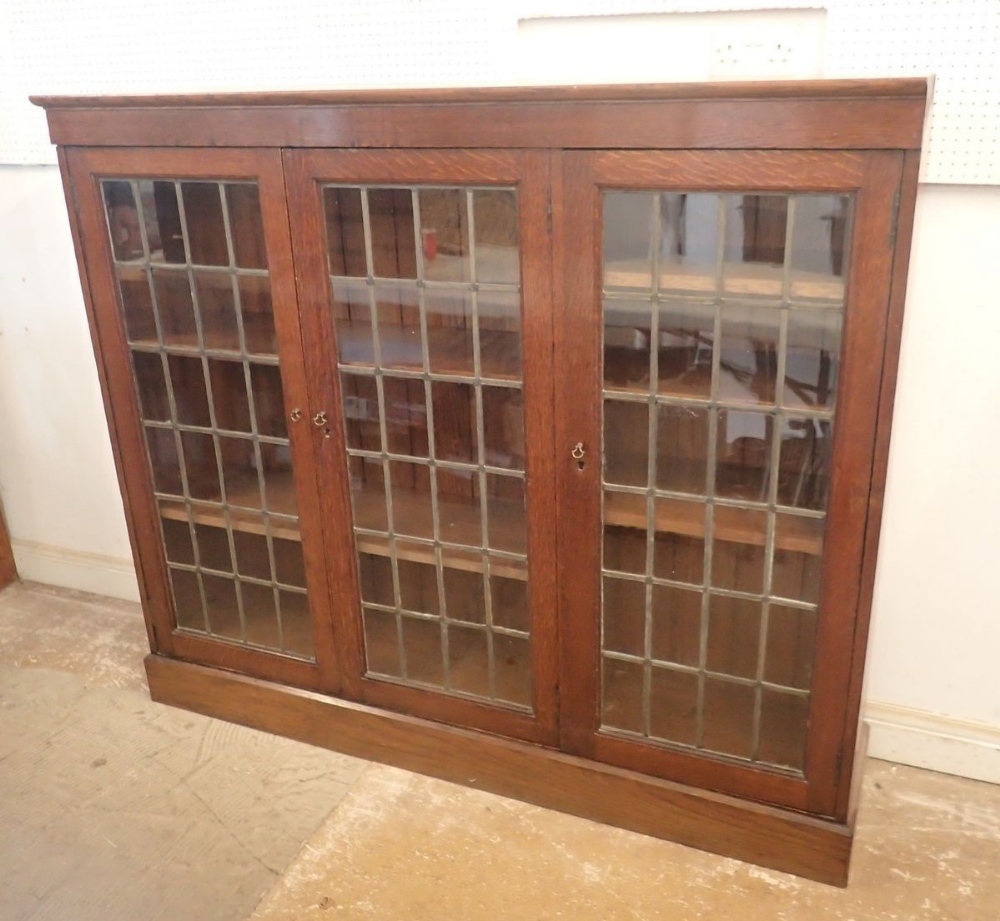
(205,224)
(345,235)
(175,307)
(784,719)
(686,337)
(796,566)
(804,462)
(625,616)
(257,314)
(733,628)
(243,204)
(673,705)
(743,454)
(819,248)
(151,384)
(791,639)
(728,717)
(444,235)
(217,302)
(625,540)
(812,354)
(426,304)
(627,333)
(497,247)
(628,239)
(676,625)
(717,459)
(499,333)
(748,362)
(626,439)
(678,541)
(682,436)
(450,342)
(393,252)
(195,298)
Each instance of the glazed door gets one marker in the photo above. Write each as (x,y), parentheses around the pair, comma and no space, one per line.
(721,336)
(424,280)
(193,307)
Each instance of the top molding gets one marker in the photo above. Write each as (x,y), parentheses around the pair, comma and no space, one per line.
(806,114)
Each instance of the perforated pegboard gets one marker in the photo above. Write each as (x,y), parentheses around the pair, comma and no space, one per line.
(958,42)
(632,7)
(125,46)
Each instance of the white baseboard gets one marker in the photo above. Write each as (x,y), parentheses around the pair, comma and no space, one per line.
(938,743)
(86,572)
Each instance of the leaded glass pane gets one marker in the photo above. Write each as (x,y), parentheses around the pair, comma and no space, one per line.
(426,303)
(194,290)
(722,334)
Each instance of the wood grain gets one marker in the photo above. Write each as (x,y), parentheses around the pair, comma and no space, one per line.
(576,277)
(749,122)
(83,168)
(714,170)
(110,352)
(776,89)
(850,782)
(782,840)
(868,290)
(8,571)
(319,346)
(561,147)
(302,434)
(874,178)
(307,171)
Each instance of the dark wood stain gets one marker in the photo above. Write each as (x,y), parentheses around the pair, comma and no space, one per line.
(8,571)
(782,840)
(560,147)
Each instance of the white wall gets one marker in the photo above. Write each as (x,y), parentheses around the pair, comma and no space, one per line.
(57,480)
(937,602)
(933,687)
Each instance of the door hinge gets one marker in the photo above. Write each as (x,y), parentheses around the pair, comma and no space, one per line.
(839,767)
(548,211)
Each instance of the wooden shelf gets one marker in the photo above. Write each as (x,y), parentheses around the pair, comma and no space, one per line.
(797,534)
(256,333)
(280,487)
(740,279)
(460,524)
(500,264)
(628,371)
(450,349)
(450,558)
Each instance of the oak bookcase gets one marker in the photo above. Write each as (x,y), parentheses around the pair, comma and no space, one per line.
(534,439)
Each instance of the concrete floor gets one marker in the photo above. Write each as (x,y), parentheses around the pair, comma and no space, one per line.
(114,807)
